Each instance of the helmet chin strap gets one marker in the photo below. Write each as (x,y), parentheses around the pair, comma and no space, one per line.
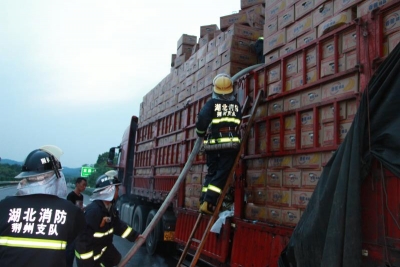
(55,167)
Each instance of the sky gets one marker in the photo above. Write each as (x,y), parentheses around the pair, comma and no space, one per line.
(72,73)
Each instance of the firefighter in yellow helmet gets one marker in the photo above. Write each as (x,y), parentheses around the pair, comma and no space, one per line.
(38,223)
(218,123)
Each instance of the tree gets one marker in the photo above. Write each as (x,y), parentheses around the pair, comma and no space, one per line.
(101,168)
(8,172)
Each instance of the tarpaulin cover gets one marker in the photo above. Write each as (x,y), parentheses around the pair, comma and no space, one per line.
(329,232)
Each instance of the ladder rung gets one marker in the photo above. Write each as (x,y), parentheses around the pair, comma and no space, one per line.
(196,240)
(246,116)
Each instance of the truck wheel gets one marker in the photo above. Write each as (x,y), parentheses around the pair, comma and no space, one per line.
(139,218)
(153,238)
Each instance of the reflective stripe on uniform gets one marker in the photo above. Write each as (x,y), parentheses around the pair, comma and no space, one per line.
(127,232)
(222,140)
(96,257)
(84,256)
(32,243)
(214,188)
(204,189)
(99,234)
(225,119)
(200,132)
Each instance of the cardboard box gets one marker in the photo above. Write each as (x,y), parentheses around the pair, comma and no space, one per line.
(275,88)
(187,40)
(289,141)
(368,6)
(274,178)
(393,40)
(270,27)
(311,76)
(219,39)
(344,128)
(274,214)
(211,55)
(278,196)
(256,178)
(307,161)
(303,7)
(335,22)
(340,5)
(280,162)
(184,49)
(249,3)
(311,57)
(274,74)
(179,60)
(328,48)
(275,142)
(307,119)
(288,48)
(328,65)
(286,18)
(216,63)
(340,87)
(260,196)
(307,138)
(291,66)
(257,163)
(243,31)
(311,96)
(275,126)
(203,41)
(322,13)
(239,18)
(301,197)
(255,212)
(349,41)
(310,178)
(327,134)
(351,108)
(271,57)
(290,123)
(234,42)
(291,178)
(274,41)
(290,216)
(273,10)
(326,157)
(306,38)
(351,60)
(300,27)
(239,56)
(291,102)
(327,112)
(275,107)
(207,29)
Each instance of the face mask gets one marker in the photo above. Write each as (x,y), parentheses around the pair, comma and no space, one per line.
(46,183)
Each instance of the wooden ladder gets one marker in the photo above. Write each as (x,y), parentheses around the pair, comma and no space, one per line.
(201,242)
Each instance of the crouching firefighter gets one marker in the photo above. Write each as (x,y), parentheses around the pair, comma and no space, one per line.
(94,247)
(218,122)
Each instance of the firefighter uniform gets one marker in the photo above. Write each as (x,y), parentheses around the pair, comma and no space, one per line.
(35,230)
(95,246)
(220,117)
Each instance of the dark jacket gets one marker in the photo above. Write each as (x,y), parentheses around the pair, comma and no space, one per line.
(35,229)
(222,114)
(95,238)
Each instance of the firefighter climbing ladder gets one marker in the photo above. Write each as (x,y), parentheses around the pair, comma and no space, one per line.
(201,242)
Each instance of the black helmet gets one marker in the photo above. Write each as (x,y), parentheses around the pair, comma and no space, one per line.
(38,162)
(105,186)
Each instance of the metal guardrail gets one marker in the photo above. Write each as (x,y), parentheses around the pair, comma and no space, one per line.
(8,183)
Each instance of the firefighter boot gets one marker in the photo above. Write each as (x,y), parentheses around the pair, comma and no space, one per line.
(207,208)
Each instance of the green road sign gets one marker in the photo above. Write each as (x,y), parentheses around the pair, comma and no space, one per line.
(87,171)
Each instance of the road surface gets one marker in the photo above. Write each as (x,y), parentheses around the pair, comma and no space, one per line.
(141,258)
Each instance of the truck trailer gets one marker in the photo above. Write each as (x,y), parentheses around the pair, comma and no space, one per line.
(317,183)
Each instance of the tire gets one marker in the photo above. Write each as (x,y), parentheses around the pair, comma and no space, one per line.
(139,218)
(154,236)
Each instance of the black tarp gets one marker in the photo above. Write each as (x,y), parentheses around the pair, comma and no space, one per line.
(329,232)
